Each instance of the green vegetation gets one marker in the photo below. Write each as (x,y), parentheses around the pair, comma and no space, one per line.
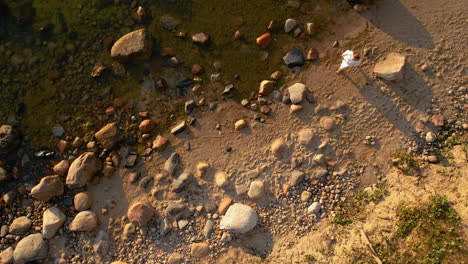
(309,258)
(406,162)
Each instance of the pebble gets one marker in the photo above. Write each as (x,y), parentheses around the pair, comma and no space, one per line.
(175,258)
(433,159)
(296,108)
(82,170)
(328,123)
(200,38)
(182,182)
(172,163)
(430,137)
(82,201)
(240,124)
(296,177)
(61,168)
(266,87)
(178,128)
(305,196)
(160,143)
(199,250)
(305,136)
(314,208)
(221,179)
(109,136)
(58,131)
(224,205)
(146,126)
(311,29)
(264,41)
(208,229)
(84,221)
(202,168)
(289,25)
(297,93)
(6,256)
(294,58)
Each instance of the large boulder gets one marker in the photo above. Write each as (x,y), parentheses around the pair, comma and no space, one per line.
(140,214)
(9,139)
(239,218)
(83,169)
(30,248)
(52,220)
(84,221)
(135,45)
(391,67)
(109,136)
(47,188)
(297,93)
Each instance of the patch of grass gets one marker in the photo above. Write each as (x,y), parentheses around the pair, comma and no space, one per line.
(406,162)
(429,233)
(342,220)
(309,258)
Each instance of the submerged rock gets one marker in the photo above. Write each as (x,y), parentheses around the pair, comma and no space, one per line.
(135,45)
(9,139)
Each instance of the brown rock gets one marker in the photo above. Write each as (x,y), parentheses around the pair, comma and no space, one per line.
(197,69)
(311,29)
(140,214)
(20,225)
(328,123)
(63,145)
(175,258)
(391,67)
(146,126)
(84,222)
(160,143)
(48,187)
(82,201)
(200,38)
(279,148)
(224,205)
(238,35)
(276,75)
(438,120)
(83,169)
(296,108)
(135,45)
(433,159)
(264,41)
(312,54)
(266,87)
(109,136)
(6,257)
(202,168)
(240,124)
(61,168)
(200,250)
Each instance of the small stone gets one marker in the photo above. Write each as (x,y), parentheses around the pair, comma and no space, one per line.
(61,168)
(135,45)
(82,201)
(52,220)
(320,173)
(311,29)
(256,190)
(328,123)
(3,175)
(202,168)
(314,208)
(199,250)
(133,177)
(140,214)
(296,177)
(30,248)
(438,120)
(294,58)
(208,229)
(172,163)
(200,38)
(189,106)
(266,87)
(305,136)
(129,229)
(240,124)
(433,159)
(197,69)
(58,131)
(279,148)
(224,205)
(297,93)
(296,108)
(84,221)
(391,67)
(175,258)
(178,129)
(289,25)
(430,137)
(3,231)
(319,159)
(9,197)
(264,41)
(239,218)
(108,136)
(312,54)
(221,179)
(305,196)
(6,256)
(146,126)
(160,143)
(182,182)
(20,225)
(48,187)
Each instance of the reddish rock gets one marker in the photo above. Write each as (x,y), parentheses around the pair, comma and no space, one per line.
(110,110)
(224,205)
(237,35)
(140,214)
(147,125)
(264,41)
(438,120)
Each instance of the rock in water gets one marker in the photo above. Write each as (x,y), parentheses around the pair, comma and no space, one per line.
(135,45)
(289,25)
(239,218)
(200,38)
(20,225)
(294,58)
(279,148)
(109,136)
(30,248)
(140,214)
(9,139)
(172,163)
(53,219)
(82,170)
(264,41)
(47,188)
(391,67)
(182,182)
(84,221)
(297,93)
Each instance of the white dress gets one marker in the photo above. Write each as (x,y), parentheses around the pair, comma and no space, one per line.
(348,60)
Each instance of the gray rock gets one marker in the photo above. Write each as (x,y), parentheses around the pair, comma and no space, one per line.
(239,218)
(297,93)
(84,221)
(164,227)
(135,45)
(296,177)
(169,22)
(82,170)
(289,25)
(189,106)
(182,182)
(208,229)
(52,220)
(172,163)
(58,131)
(9,139)
(30,248)
(20,225)
(176,211)
(179,128)
(294,58)
(319,173)
(314,208)
(109,136)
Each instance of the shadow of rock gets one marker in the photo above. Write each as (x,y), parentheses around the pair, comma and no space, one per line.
(394,18)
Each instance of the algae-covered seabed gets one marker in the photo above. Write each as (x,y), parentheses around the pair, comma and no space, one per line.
(49,47)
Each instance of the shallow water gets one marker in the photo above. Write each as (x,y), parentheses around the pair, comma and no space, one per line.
(49,47)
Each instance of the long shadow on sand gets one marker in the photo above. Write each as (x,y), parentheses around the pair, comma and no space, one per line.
(393,18)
